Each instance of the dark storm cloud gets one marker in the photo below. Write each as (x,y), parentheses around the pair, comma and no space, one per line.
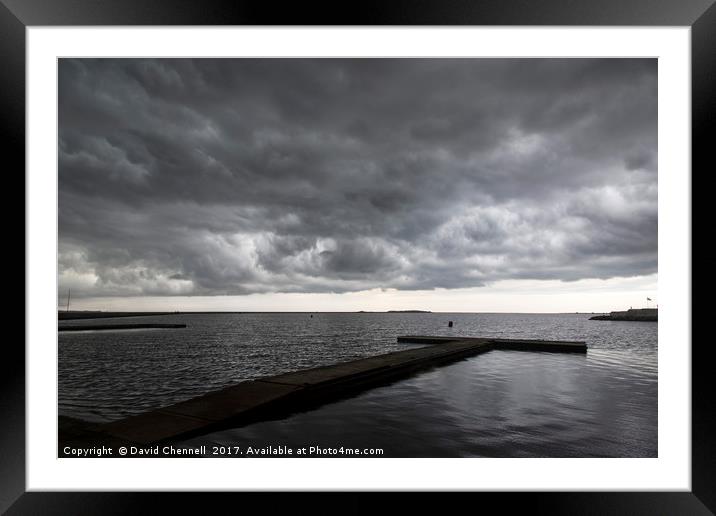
(218,176)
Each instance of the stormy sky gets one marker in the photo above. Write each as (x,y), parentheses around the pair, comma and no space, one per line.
(215,177)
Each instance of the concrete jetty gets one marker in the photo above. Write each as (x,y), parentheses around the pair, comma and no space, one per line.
(138,326)
(277,396)
(555,346)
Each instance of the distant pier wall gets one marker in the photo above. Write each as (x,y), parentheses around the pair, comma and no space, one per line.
(633,314)
(138,326)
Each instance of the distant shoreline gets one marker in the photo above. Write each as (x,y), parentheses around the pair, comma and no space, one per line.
(97,314)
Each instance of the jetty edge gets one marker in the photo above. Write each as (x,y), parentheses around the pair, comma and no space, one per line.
(277,396)
(633,314)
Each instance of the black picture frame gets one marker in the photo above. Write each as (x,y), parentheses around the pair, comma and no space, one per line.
(17,15)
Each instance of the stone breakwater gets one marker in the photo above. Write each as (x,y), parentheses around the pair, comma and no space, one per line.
(633,314)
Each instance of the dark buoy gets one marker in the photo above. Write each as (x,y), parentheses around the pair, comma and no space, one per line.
(449,324)
(311,316)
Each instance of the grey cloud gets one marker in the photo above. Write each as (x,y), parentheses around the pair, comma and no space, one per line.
(233,176)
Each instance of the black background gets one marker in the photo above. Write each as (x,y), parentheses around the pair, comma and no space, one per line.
(16,15)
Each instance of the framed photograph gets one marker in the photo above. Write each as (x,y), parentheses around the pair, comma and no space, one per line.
(399,249)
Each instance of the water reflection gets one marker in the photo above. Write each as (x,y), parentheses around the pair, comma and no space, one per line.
(500,404)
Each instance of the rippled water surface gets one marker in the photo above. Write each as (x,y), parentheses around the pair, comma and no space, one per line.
(500,404)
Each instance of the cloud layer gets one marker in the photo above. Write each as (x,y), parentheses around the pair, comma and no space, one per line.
(235,176)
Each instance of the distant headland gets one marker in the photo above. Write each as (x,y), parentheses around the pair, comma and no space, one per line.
(395,312)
